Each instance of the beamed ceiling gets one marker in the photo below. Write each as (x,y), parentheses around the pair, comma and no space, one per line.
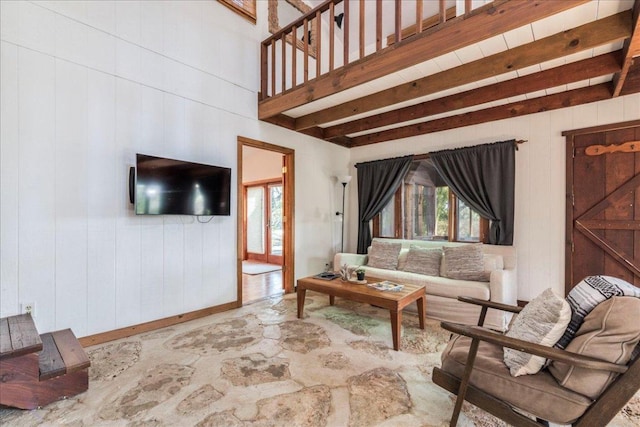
(505,59)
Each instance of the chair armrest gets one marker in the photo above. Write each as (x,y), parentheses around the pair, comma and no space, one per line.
(491,304)
(563,356)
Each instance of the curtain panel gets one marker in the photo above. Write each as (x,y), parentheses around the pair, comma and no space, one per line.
(483,177)
(377,183)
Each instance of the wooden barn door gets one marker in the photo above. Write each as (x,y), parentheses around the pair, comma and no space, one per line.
(603,203)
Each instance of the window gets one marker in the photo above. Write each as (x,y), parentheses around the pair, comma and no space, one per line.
(424,209)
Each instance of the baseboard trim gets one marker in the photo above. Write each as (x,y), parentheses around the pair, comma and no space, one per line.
(522,303)
(154,324)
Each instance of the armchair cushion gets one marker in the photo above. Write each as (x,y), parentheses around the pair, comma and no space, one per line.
(539,394)
(610,332)
(587,294)
(542,321)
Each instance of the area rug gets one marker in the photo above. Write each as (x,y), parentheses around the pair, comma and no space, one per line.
(261,366)
(254,267)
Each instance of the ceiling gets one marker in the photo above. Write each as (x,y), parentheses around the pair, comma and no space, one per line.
(578,55)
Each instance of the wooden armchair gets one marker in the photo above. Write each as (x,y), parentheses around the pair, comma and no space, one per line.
(473,369)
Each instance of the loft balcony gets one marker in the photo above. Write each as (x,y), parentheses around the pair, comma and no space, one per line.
(358,72)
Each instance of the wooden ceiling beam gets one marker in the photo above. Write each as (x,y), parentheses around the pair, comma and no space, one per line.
(605,64)
(288,123)
(536,105)
(632,82)
(631,50)
(613,28)
(480,24)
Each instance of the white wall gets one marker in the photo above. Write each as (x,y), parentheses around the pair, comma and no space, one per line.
(540,179)
(86,85)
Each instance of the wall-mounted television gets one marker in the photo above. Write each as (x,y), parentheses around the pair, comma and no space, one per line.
(175,187)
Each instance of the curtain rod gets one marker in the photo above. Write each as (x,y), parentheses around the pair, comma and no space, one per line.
(424,156)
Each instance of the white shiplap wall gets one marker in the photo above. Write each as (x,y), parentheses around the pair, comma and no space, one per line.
(540,179)
(86,85)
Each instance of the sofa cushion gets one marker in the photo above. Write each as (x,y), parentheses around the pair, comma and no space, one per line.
(542,321)
(538,394)
(402,258)
(435,285)
(607,333)
(493,262)
(464,262)
(384,255)
(423,261)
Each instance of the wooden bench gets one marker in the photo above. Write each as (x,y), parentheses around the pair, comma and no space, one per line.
(36,370)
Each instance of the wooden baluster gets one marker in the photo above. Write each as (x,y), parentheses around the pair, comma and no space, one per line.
(378,25)
(318,44)
(273,67)
(418,16)
(294,56)
(345,38)
(467,6)
(443,11)
(361,38)
(283,40)
(332,25)
(305,43)
(264,71)
(398,21)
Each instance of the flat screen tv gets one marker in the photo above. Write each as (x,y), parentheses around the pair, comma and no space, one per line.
(174,187)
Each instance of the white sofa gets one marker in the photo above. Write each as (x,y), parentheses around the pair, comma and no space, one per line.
(442,292)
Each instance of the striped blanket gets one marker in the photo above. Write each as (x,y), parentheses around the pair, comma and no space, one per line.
(587,294)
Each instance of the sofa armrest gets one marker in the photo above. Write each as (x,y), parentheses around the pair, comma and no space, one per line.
(343,258)
(503,286)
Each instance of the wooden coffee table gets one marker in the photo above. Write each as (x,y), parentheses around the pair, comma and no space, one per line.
(394,301)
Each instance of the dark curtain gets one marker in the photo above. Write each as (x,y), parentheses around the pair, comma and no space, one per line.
(483,177)
(377,183)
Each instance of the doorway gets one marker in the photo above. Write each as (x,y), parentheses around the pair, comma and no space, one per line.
(265,220)
(603,203)
(263,229)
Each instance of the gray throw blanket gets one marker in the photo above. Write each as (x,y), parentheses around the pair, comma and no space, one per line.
(587,294)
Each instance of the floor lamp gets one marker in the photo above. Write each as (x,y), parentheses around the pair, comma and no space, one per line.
(344,180)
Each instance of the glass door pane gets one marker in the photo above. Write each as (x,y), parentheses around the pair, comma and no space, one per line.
(275,221)
(255,220)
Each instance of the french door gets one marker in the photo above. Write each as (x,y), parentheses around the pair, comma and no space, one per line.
(603,203)
(263,222)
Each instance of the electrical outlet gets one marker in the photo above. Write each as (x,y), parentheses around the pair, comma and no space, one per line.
(28,308)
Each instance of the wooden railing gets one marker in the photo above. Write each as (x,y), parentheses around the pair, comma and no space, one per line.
(304,50)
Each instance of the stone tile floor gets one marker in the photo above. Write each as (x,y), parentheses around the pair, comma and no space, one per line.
(260,366)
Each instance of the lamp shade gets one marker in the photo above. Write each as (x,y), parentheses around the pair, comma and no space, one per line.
(344,179)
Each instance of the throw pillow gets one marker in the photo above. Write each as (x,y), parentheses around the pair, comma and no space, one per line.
(384,255)
(587,294)
(607,333)
(543,322)
(464,262)
(423,261)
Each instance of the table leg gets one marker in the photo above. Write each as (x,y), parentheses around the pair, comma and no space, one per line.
(422,303)
(396,325)
(301,292)
(332,299)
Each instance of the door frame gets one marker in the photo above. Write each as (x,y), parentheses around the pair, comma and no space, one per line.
(569,141)
(266,184)
(288,185)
